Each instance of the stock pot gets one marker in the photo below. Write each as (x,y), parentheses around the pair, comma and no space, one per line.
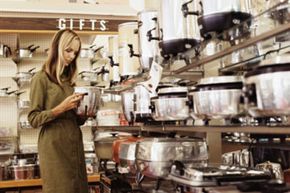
(179,26)
(220,15)
(217,97)
(142,110)
(91,101)
(127,156)
(5,51)
(128,105)
(22,78)
(148,32)
(268,88)
(128,49)
(28,51)
(171,104)
(22,172)
(154,156)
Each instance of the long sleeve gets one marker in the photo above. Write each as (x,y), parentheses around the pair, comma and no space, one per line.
(38,115)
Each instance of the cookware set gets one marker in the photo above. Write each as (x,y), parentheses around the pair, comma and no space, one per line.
(262,92)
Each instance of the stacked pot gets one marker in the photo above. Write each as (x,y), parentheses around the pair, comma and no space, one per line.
(178,22)
(268,88)
(148,32)
(128,49)
(155,156)
(217,97)
(171,104)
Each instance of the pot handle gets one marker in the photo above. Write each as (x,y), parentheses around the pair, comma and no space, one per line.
(185,10)
(250,94)
(30,70)
(9,52)
(33,49)
(131,51)
(30,46)
(179,166)
(149,33)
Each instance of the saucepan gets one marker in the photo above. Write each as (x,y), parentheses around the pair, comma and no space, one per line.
(91,101)
(28,51)
(22,78)
(155,156)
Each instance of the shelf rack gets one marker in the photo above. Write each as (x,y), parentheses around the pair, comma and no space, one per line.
(37,182)
(206,129)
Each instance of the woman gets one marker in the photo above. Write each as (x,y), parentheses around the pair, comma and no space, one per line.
(53,104)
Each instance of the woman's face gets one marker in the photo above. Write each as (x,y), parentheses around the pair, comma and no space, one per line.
(71,51)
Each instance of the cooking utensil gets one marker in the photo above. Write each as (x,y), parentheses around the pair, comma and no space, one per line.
(171,104)
(182,32)
(22,78)
(91,100)
(155,156)
(128,46)
(267,88)
(5,51)
(148,32)
(28,51)
(217,97)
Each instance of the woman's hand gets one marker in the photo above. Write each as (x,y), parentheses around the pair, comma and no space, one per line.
(71,102)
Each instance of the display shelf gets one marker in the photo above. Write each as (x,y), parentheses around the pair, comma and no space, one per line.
(207,129)
(251,41)
(37,182)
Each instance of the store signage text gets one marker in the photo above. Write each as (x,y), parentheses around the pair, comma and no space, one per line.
(82,24)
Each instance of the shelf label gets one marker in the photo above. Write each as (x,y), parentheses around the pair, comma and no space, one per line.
(82,24)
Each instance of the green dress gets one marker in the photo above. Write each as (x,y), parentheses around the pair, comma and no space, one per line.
(60,145)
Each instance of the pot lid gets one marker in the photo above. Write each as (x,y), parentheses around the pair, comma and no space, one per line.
(170,90)
(220,80)
(278,60)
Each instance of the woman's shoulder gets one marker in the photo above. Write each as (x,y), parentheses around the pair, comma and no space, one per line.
(40,75)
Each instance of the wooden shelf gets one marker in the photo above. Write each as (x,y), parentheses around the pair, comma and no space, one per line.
(36,182)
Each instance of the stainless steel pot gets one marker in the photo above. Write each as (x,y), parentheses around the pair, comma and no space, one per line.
(5,51)
(171,104)
(148,32)
(155,156)
(142,111)
(127,156)
(217,97)
(88,52)
(110,109)
(128,49)
(22,172)
(268,88)
(221,15)
(22,78)
(91,101)
(91,76)
(103,147)
(274,168)
(179,27)
(128,105)
(28,51)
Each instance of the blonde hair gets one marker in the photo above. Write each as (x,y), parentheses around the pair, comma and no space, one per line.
(55,64)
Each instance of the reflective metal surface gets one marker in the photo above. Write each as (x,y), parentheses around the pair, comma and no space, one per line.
(128,104)
(147,23)
(129,65)
(216,103)
(173,22)
(272,92)
(167,109)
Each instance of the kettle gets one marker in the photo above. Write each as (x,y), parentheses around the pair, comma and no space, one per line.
(5,51)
